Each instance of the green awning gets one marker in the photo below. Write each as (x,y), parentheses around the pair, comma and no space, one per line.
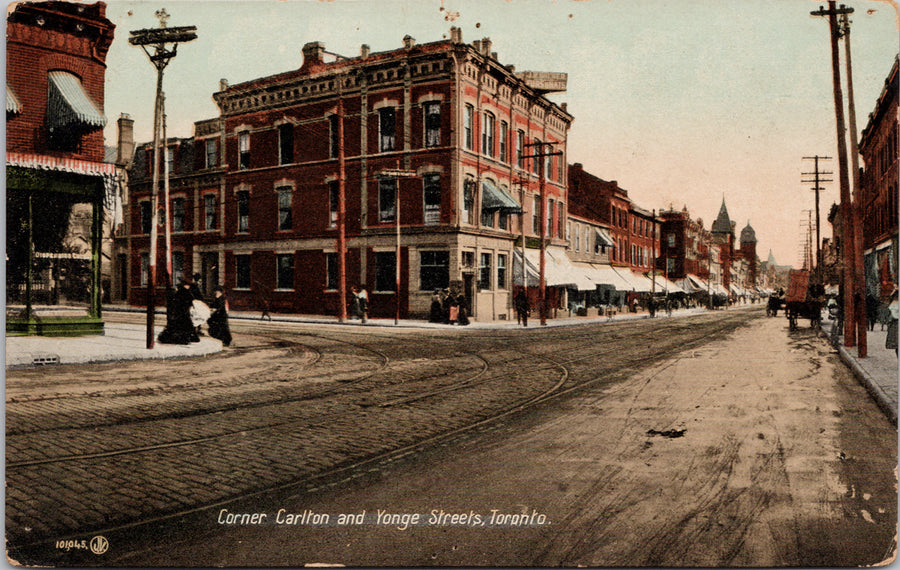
(493,198)
(12,102)
(69,105)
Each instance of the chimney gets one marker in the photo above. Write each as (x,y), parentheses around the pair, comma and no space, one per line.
(408,41)
(313,55)
(455,35)
(486,47)
(477,45)
(364,50)
(125,142)
(223,84)
(493,55)
(564,106)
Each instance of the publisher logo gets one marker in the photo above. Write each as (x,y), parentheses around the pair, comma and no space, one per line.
(99,545)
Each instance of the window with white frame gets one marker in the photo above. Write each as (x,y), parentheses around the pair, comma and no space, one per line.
(432,198)
(178,214)
(284,271)
(334,190)
(536,215)
(209,211)
(468,126)
(145,269)
(577,239)
(671,240)
(537,149)
(560,217)
(487,134)
(548,231)
(285,206)
(212,159)
(484,272)
(469,201)
(504,141)
(501,271)
(432,123)
(243,211)
(244,150)
(170,159)
(387,129)
(387,199)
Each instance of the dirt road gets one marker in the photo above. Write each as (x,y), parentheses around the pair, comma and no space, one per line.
(759,449)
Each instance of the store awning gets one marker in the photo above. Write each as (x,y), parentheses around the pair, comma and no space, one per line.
(664,285)
(606,275)
(69,104)
(693,284)
(12,102)
(572,274)
(494,198)
(603,238)
(558,270)
(638,283)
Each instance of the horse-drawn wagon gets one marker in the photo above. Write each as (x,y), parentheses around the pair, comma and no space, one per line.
(799,304)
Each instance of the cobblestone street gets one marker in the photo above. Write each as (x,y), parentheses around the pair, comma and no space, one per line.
(95,450)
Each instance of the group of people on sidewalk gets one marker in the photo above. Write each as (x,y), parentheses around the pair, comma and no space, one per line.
(186,311)
(885,314)
(448,309)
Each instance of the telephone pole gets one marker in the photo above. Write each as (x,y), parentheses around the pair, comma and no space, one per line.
(398,174)
(817,188)
(540,155)
(847,280)
(157,38)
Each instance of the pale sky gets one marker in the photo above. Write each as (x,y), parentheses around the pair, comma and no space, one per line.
(683,102)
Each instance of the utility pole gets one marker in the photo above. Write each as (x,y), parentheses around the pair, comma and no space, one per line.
(158,38)
(856,206)
(342,211)
(846,213)
(397,173)
(540,155)
(817,188)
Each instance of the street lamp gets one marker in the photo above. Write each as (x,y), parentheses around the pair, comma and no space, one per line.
(160,57)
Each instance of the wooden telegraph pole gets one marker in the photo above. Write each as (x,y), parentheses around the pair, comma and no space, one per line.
(397,173)
(158,38)
(540,155)
(849,289)
(817,181)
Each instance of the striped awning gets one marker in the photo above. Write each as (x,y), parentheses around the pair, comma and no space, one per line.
(68,104)
(494,198)
(603,238)
(12,102)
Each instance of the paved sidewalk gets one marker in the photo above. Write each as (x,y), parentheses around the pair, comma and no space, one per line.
(120,342)
(878,371)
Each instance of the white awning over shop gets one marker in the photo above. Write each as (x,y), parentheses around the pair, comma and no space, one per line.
(603,237)
(637,282)
(572,275)
(606,275)
(693,284)
(666,286)
(69,104)
(12,102)
(558,270)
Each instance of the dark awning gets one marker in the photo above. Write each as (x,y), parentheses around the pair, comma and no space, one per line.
(12,102)
(493,198)
(604,238)
(68,104)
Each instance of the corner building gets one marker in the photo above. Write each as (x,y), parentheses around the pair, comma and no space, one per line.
(448,116)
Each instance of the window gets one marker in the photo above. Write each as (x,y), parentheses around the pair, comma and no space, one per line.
(671,240)
(145,269)
(387,129)
(432,124)
(211,158)
(560,168)
(244,149)
(177,266)
(548,231)
(487,135)
(536,161)
(520,148)
(670,265)
(285,271)
(209,211)
(334,190)
(434,270)
(504,142)
(333,138)
(284,208)
(170,159)
(560,217)
(385,271)
(331,270)
(484,272)
(501,271)
(503,219)
(285,144)
(577,240)
(242,270)
(487,218)
(469,201)
(468,126)
(432,192)
(387,199)
(145,217)
(243,211)
(535,216)
(178,215)
(468,259)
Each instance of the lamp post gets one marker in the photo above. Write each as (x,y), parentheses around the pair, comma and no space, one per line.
(157,38)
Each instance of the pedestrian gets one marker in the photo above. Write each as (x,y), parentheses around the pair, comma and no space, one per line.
(463,316)
(871,310)
(522,308)
(446,306)
(354,302)
(363,297)
(894,308)
(218,321)
(197,295)
(436,313)
(180,328)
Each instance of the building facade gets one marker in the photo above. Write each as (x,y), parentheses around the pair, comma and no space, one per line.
(56,176)
(879,188)
(432,147)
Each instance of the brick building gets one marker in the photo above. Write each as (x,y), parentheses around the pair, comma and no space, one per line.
(263,219)
(879,189)
(55,73)
(689,254)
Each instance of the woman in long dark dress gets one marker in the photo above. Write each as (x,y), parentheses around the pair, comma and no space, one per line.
(218,322)
(436,315)
(463,317)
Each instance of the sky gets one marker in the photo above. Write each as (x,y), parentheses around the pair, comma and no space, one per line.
(683,102)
